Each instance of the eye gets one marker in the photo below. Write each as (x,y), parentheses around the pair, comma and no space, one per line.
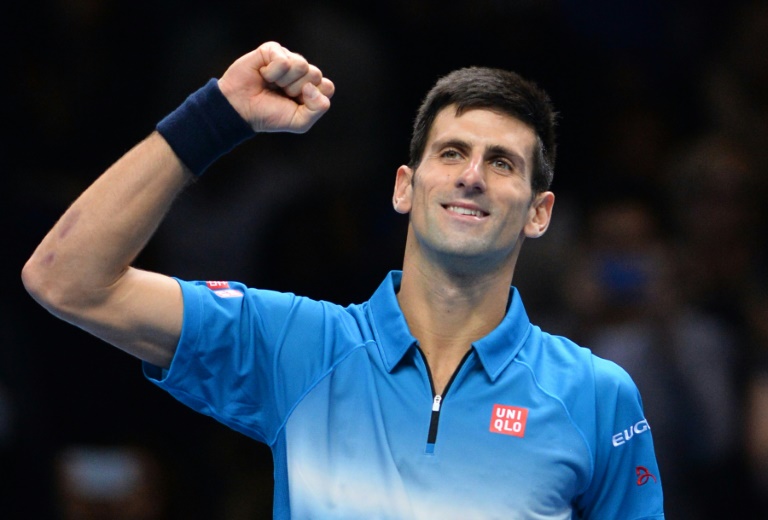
(502,164)
(451,154)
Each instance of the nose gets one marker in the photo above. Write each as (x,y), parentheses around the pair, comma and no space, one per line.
(472,177)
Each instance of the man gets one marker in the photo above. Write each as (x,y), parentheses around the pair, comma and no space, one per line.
(435,399)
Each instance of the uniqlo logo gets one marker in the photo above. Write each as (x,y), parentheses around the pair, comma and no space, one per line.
(214,286)
(509,420)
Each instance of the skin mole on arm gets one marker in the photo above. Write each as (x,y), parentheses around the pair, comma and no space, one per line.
(67,223)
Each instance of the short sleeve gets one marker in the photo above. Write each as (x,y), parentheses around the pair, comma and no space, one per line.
(626,483)
(225,361)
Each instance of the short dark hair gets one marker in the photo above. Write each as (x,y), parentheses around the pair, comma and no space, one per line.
(499,90)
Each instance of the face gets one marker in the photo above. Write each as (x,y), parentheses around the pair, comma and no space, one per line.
(470,198)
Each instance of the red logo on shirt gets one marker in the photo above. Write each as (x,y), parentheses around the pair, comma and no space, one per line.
(643,475)
(217,285)
(509,420)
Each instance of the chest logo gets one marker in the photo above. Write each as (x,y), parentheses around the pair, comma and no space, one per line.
(509,420)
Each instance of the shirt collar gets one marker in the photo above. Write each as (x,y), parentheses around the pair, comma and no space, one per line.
(495,350)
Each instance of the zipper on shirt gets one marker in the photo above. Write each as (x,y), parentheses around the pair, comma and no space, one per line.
(437,401)
(432,435)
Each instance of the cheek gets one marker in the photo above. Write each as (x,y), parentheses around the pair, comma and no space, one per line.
(518,217)
(420,195)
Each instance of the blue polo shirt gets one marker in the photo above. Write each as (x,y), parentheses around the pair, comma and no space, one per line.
(532,426)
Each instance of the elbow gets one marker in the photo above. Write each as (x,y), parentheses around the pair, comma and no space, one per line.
(44,285)
(33,276)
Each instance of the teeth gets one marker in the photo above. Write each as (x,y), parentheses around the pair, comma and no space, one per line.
(465,211)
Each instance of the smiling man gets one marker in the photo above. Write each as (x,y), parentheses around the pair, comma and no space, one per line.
(471,203)
(437,398)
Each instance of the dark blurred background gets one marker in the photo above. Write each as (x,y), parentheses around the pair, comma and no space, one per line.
(656,257)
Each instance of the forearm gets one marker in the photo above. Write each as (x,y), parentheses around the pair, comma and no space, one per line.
(92,245)
(81,270)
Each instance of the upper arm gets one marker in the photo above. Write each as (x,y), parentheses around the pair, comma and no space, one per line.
(623,451)
(141,313)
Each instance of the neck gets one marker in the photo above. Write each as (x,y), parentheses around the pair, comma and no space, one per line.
(446,313)
(453,309)
(450,301)
(454,299)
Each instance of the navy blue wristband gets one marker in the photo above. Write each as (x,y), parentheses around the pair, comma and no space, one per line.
(203,128)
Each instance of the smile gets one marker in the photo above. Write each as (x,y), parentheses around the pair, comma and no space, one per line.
(467,211)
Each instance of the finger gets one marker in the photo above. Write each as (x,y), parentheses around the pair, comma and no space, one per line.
(284,67)
(265,54)
(313,76)
(327,88)
(314,105)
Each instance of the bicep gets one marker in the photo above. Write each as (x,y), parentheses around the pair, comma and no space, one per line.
(141,314)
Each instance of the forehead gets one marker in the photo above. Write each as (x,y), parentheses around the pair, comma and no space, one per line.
(483,127)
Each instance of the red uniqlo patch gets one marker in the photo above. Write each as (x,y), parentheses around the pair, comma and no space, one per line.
(509,420)
(214,286)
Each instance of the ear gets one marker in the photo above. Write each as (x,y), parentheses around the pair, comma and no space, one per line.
(539,214)
(402,197)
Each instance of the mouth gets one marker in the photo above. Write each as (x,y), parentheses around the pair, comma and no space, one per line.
(463,210)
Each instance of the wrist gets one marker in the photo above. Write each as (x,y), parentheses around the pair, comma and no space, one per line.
(203,128)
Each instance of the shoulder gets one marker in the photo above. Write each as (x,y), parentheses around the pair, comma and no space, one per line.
(574,373)
(552,357)
(610,377)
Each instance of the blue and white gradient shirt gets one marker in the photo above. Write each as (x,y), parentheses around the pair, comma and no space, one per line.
(531,426)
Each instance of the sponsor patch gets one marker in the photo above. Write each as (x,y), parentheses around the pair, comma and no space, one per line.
(644,476)
(625,436)
(509,420)
(217,285)
(228,293)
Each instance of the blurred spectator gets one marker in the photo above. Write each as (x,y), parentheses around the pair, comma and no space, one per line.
(109,483)
(624,292)
(735,84)
(715,209)
(756,441)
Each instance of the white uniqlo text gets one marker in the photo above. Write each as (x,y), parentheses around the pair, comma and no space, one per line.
(509,420)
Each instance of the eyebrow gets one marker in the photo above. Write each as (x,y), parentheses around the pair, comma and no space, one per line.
(451,143)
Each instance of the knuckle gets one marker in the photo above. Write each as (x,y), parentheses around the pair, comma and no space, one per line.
(301,66)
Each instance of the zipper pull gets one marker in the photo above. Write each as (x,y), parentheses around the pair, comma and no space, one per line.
(436,403)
